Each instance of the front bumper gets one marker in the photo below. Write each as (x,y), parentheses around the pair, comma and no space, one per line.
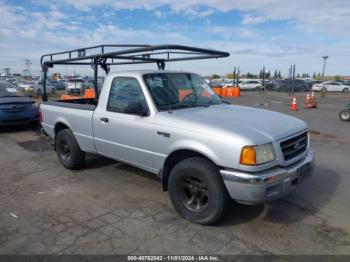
(20,118)
(272,184)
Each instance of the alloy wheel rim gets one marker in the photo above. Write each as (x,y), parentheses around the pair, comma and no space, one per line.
(194,194)
(65,151)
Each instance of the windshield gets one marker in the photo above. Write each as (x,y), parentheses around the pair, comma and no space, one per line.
(180,90)
(8,90)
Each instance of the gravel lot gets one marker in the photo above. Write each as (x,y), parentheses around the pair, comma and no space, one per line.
(112,208)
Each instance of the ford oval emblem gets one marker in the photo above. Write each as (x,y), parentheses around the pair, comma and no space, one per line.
(296,145)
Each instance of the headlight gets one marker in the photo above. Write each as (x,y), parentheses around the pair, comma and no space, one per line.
(256,155)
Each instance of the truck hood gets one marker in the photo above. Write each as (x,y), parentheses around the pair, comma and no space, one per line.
(257,125)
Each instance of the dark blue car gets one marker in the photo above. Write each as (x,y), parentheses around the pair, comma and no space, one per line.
(15,107)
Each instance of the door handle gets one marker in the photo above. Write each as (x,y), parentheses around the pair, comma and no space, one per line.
(104,119)
(163,134)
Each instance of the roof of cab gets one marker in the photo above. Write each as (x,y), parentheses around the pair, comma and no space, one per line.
(143,72)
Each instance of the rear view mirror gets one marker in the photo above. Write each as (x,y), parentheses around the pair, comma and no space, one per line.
(136,108)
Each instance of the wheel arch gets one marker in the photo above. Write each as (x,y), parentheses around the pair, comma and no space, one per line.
(176,157)
(59,126)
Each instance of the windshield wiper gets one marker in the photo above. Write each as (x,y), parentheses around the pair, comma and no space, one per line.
(189,105)
(221,102)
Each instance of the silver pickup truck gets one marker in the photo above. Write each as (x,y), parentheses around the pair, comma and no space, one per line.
(173,125)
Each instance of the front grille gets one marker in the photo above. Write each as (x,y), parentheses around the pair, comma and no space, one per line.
(294,147)
(14,109)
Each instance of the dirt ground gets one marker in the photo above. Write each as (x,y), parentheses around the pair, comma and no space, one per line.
(112,208)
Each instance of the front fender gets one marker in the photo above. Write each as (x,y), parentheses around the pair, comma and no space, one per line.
(196,146)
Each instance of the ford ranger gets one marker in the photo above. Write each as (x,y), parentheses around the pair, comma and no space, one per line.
(173,125)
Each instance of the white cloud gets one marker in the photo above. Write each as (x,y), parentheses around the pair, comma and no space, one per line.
(30,34)
(230,32)
(160,14)
(333,15)
(253,19)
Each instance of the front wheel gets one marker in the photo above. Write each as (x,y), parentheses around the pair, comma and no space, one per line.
(38,92)
(68,150)
(345,90)
(344,115)
(197,191)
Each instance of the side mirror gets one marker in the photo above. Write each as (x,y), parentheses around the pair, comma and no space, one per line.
(136,108)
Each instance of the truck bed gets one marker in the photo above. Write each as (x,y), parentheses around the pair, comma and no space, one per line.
(76,116)
(82,104)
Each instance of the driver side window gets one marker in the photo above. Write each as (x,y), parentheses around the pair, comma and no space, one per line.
(124,90)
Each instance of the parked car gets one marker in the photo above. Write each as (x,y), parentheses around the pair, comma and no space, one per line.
(249,84)
(58,85)
(39,89)
(285,85)
(16,107)
(269,84)
(75,86)
(215,84)
(26,86)
(310,83)
(331,86)
(11,80)
(173,125)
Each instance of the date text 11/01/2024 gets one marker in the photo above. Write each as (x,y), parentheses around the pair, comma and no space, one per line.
(173,258)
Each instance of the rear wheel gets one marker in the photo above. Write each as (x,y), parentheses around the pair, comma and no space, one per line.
(344,115)
(68,150)
(197,191)
(346,89)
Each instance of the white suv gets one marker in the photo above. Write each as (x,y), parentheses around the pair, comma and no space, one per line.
(331,86)
(250,84)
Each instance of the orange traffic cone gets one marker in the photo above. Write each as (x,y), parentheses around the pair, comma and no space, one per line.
(313,100)
(307,102)
(294,106)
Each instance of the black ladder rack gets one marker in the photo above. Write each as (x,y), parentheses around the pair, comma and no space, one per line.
(107,55)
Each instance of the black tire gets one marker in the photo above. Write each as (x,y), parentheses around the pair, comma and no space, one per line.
(38,92)
(345,90)
(197,191)
(344,115)
(53,91)
(324,89)
(68,150)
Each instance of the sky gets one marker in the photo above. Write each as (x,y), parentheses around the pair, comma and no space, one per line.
(256,33)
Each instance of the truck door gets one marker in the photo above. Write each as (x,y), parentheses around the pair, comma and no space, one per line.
(120,134)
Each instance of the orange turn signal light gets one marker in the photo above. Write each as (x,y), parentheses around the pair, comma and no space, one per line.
(248,156)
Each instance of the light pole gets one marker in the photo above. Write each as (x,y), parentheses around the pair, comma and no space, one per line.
(28,64)
(7,71)
(324,65)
